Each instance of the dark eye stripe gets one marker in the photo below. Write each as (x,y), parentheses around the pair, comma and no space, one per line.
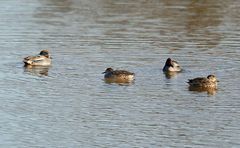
(43,53)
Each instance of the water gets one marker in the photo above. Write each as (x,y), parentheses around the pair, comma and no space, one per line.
(69,104)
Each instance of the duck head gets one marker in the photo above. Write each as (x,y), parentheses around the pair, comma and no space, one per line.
(169,62)
(212,78)
(108,70)
(44,53)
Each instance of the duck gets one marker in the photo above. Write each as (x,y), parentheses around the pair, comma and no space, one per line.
(204,82)
(43,59)
(171,66)
(119,76)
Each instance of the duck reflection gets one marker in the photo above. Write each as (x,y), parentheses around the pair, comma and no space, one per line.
(209,90)
(118,81)
(37,70)
(169,75)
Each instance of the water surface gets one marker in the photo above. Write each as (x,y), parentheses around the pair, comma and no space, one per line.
(69,105)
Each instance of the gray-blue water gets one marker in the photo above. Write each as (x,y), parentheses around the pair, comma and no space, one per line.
(69,104)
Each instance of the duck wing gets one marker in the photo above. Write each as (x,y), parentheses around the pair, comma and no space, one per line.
(198,80)
(122,72)
(34,59)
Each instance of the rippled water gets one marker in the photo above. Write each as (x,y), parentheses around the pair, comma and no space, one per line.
(69,104)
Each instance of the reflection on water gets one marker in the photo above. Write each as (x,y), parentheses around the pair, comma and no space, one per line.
(36,70)
(210,91)
(169,75)
(70,105)
(178,24)
(118,81)
(198,23)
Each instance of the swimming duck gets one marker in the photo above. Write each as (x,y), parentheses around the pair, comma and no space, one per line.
(119,76)
(204,82)
(43,59)
(171,66)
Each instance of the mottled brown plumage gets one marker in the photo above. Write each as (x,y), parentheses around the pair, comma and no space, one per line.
(209,81)
(118,75)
